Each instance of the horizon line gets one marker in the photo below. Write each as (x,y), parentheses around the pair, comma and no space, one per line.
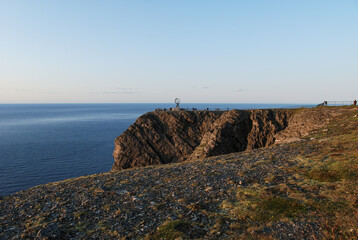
(164,102)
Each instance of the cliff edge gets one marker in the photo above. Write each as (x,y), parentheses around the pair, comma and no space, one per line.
(162,137)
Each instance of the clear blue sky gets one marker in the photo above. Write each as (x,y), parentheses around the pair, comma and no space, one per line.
(201,51)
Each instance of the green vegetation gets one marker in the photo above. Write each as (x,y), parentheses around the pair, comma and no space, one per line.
(172,230)
(257,204)
(321,185)
(332,166)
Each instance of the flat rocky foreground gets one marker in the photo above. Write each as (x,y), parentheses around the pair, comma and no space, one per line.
(299,190)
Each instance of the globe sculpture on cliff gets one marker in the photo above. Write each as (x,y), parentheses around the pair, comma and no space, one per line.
(177,102)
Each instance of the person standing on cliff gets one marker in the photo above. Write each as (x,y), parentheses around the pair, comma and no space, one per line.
(355,102)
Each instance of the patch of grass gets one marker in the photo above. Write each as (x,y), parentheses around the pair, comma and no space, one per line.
(324,174)
(275,207)
(335,152)
(258,205)
(171,230)
(343,227)
(335,170)
(328,176)
(330,208)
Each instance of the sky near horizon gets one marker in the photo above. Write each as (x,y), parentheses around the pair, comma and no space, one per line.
(148,51)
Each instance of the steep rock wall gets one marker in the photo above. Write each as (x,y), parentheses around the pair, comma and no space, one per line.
(239,130)
(163,137)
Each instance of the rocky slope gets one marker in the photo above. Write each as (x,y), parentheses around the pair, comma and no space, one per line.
(168,136)
(299,190)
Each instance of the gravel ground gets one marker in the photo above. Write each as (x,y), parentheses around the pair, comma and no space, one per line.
(134,203)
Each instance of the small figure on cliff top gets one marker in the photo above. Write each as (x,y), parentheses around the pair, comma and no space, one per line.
(177,102)
(355,102)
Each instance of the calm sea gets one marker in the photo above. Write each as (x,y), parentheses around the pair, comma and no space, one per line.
(41,143)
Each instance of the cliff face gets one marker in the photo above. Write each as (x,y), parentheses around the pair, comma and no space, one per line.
(164,137)
(161,137)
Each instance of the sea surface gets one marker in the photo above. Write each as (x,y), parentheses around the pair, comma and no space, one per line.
(41,143)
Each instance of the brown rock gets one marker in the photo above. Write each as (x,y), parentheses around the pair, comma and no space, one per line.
(172,136)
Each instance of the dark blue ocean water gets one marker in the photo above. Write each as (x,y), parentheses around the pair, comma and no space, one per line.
(41,143)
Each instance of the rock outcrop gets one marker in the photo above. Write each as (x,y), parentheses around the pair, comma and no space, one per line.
(304,121)
(168,136)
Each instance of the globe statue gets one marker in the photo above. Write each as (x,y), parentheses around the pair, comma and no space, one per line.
(177,102)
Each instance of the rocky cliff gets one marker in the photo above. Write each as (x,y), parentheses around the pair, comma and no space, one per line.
(168,136)
(299,190)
